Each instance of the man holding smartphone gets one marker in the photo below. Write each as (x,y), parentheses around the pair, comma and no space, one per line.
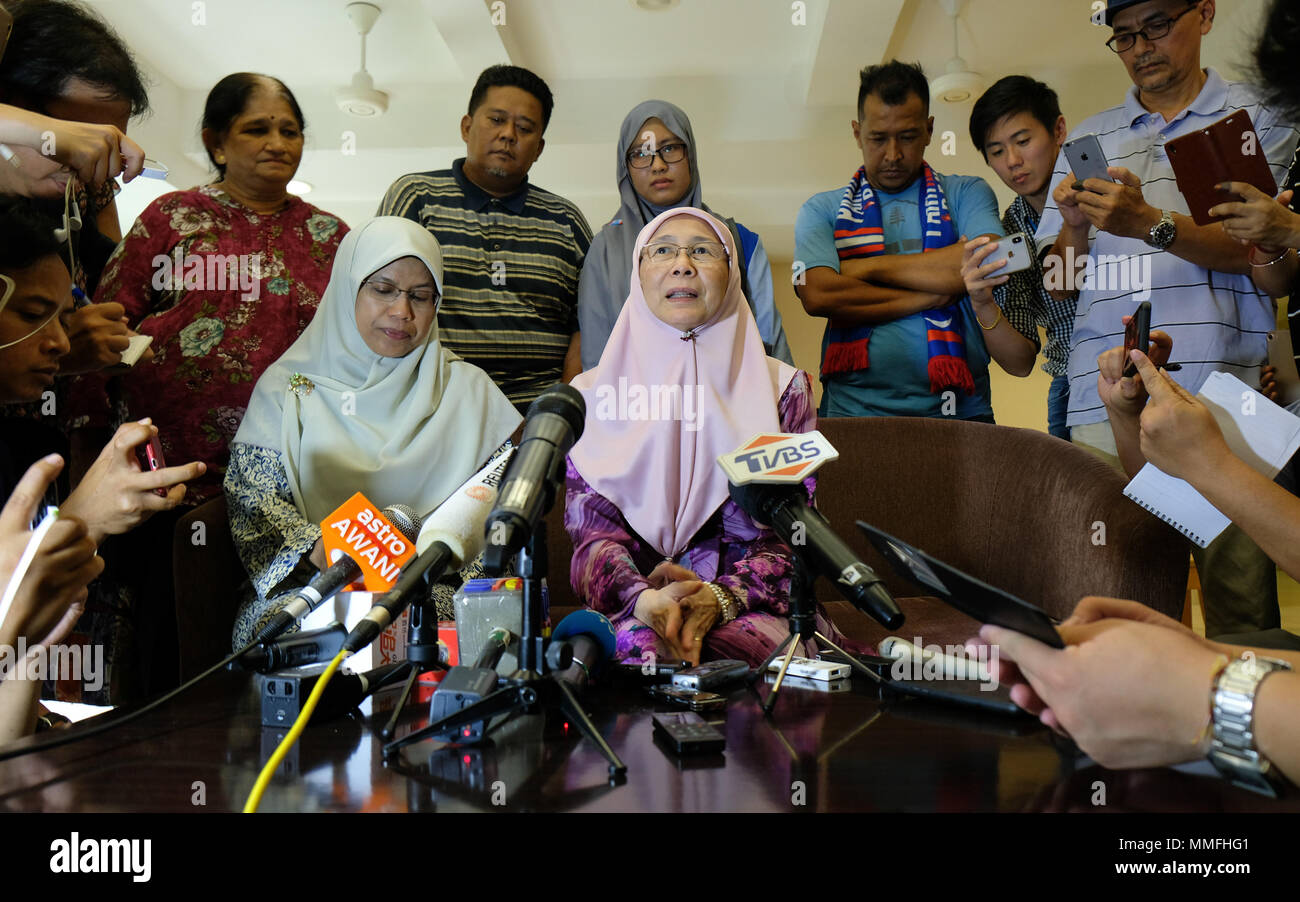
(1197,277)
(1018,126)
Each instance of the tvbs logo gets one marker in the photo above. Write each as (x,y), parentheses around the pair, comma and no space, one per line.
(761,459)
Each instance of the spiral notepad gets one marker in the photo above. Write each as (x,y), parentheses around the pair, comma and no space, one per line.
(1256,430)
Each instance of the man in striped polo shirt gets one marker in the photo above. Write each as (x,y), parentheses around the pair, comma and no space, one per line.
(511,251)
(1143,245)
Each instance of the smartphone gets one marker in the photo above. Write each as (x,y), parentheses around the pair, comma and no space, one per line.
(150,456)
(714,673)
(154,170)
(1087,160)
(1017,250)
(694,699)
(1137,335)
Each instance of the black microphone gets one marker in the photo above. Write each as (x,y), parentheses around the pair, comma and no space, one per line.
(348,690)
(591,637)
(329,582)
(310,647)
(786,509)
(554,422)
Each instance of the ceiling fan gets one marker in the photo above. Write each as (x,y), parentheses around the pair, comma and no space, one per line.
(958,84)
(361,98)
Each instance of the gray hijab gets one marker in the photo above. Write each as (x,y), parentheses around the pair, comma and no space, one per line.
(605,281)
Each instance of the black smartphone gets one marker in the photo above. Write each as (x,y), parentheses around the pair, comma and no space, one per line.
(695,699)
(1137,336)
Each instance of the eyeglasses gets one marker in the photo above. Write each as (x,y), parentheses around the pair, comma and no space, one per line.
(669,153)
(661,253)
(388,293)
(1154,31)
(9,287)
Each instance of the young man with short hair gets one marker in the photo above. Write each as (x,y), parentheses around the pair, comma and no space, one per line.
(882,263)
(1018,126)
(512,251)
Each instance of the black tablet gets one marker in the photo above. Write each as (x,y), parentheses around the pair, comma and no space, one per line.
(964,592)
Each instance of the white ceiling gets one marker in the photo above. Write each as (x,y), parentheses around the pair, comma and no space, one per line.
(769,84)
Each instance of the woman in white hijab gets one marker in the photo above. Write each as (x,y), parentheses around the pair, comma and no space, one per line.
(366,400)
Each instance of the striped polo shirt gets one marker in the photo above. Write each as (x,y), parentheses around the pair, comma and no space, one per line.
(510,292)
(1217,321)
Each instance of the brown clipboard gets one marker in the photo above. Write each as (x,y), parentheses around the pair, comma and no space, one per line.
(1227,151)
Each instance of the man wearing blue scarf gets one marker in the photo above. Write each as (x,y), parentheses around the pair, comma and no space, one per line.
(902,338)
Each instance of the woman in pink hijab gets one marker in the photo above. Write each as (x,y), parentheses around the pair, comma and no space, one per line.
(659,547)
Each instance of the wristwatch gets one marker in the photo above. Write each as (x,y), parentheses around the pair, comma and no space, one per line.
(1232,745)
(1162,234)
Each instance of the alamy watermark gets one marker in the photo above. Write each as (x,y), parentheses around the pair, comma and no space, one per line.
(208,272)
(78,663)
(634,401)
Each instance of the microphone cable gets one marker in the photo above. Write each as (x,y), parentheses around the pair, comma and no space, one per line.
(100,729)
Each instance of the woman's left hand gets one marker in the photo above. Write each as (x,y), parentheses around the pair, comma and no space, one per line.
(700,611)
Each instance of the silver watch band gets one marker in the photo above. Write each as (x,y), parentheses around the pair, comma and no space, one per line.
(1233,750)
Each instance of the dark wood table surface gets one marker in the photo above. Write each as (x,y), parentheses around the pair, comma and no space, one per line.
(849,751)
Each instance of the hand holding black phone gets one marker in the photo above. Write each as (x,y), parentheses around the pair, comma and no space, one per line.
(1137,336)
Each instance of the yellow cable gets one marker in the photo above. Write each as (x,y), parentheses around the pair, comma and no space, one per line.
(264,778)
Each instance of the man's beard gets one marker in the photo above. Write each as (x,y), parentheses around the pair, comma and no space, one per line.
(497,172)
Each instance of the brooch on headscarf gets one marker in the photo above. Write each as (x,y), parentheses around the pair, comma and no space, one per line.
(300,385)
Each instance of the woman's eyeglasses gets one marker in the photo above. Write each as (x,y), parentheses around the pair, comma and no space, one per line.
(661,253)
(669,153)
(388,293)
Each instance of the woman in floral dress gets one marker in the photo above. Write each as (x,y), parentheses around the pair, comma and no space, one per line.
(224,277)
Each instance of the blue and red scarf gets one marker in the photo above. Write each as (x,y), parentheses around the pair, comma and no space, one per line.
(860,232)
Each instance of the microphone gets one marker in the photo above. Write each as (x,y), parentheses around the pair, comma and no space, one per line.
(591,636)
(329,582)
(785,508)
(452,536)
(554,422)
(310,647)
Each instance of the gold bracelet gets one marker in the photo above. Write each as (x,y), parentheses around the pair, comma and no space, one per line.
(997,319)
(727,605)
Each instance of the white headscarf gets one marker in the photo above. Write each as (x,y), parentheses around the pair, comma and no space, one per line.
(401,430)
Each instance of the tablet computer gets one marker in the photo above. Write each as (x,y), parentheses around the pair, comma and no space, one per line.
(964,592)
(1226,151)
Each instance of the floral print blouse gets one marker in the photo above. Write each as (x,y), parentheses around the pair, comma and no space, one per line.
(223,291)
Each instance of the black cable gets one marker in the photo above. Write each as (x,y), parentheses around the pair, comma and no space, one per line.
(75,736)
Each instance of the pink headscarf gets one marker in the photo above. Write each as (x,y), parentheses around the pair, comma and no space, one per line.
(663,473)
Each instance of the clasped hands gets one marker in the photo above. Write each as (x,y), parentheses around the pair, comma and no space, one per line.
(680,608)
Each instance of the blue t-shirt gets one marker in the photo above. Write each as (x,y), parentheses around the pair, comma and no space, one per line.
(897,382)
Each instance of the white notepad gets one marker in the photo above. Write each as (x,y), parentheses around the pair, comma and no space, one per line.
(1266,438)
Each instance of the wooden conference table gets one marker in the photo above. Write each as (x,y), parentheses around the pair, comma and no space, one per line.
(847,751)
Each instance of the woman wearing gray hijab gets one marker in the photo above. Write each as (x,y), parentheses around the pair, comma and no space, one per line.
(658,170)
